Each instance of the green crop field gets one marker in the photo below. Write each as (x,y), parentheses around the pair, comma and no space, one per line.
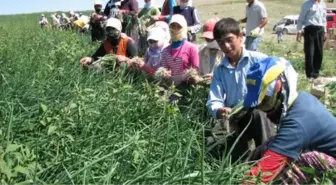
(62,125)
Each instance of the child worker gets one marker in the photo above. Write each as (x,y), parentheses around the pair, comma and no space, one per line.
(180,55)
(306,129)
(228,89)
(152,58)
(210,53)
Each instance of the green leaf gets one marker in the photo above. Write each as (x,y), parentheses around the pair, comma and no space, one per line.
(307,170)
(43,122)
(12,147)
(52,129)
(44,107)
(21,169)
(70,137)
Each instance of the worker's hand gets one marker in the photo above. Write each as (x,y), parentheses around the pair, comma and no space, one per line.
(156,17)
(325,37)
(298,36)
(223,112)
(207,78)
(122,59)
(86,61)
(167,74)
(138,64)
(255,32)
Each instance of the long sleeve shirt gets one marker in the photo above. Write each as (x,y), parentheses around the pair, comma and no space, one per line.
(312,14)
(228,86)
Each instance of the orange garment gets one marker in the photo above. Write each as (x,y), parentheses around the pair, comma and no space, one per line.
(122,46)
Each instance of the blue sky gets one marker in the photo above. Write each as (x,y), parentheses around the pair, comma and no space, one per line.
(31,6)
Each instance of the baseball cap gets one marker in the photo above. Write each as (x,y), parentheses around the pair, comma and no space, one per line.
(260,79)
(114,23)
(208,28)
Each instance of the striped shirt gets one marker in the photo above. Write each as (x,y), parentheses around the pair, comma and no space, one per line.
(180,59)
(313,14)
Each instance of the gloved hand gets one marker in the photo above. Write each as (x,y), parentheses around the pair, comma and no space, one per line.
(255,32)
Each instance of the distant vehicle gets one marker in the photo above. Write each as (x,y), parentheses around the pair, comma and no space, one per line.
(288,24)
(331,20)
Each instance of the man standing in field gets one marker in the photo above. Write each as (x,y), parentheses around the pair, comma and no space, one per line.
(313,17)
(256,19)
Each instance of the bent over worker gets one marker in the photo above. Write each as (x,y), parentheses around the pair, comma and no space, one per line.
(306,129)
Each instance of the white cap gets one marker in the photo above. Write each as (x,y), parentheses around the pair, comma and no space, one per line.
(98,2)
(179,19)
(71,12)
(114,23)
(155,33)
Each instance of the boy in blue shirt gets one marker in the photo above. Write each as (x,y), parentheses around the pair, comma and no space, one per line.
(228,86)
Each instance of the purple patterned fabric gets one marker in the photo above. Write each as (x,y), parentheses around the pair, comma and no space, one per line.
(309,168)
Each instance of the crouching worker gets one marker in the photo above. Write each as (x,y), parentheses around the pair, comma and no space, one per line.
(116,43)
(306,129)
(228,89)
(152,58)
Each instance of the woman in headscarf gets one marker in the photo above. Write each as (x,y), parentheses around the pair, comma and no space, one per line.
(306,129)
(180,55)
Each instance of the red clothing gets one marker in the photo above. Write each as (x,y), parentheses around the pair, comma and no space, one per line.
(270,166)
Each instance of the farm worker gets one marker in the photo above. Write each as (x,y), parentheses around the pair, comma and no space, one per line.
(304,123)
(279,32)
(180,55)
(313,17)
(130,9)
(167,10)
(228,87)
(192,17)
(43,21)
(97,22)
(55,20)
(112,9)
(152,57)
(210,54)
(149,10)
(256,19)
(71,15)
(145,19)
(165,27)
(82,24)
(65,19)
(115,43)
